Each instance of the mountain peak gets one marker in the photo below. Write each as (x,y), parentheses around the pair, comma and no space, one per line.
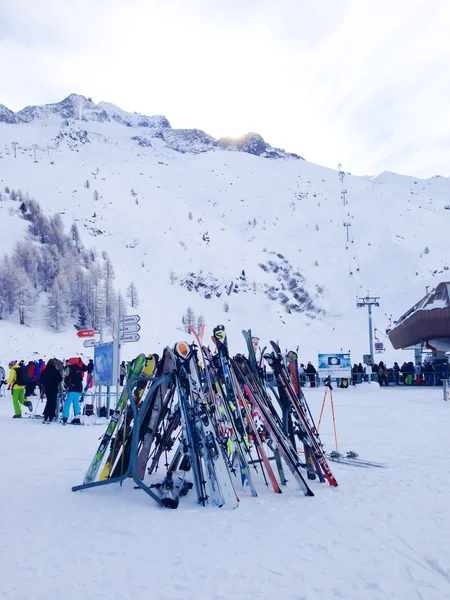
(76,107)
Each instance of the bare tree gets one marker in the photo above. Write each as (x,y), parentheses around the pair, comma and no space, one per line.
(132,295)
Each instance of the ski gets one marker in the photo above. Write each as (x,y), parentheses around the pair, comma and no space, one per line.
(221,487)
(156,411)
(94,467)
(275,361)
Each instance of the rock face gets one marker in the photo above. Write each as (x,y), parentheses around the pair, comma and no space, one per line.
(7,116)
(255,144)
(195,141)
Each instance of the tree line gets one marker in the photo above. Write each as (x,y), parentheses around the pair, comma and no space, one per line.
(52,271)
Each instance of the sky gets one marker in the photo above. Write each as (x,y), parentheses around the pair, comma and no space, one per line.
(363,83)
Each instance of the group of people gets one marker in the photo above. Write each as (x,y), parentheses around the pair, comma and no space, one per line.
(307,373)
(50,379)
(422,373)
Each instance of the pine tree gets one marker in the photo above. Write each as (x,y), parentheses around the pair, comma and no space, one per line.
(132,295)
(75,235)
(58,303)
(25,297)
(188,319)
(121,306)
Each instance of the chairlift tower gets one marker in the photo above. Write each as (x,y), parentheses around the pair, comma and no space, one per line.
(14,145)
(347,225)
(344,197)
(369,301)
(341,173)
(35,147)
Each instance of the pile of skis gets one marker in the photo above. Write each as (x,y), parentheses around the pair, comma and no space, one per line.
(213,425)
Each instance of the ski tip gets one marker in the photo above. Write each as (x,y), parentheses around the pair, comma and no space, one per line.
(309,493)
(182,349)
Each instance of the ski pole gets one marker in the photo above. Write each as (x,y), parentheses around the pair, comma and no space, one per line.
(321,410)
(334,420)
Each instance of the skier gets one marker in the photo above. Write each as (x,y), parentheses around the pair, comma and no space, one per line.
(38,370)
(382,375)
(301,373)
(419,374)
(16,382)
(123,372)
(74,384)
(360,373)
(50,380)
(396,370)
(311,371)
(31,384)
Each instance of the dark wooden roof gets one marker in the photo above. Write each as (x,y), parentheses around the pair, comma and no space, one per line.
(422,322)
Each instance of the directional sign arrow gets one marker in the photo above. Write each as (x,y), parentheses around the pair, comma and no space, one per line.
(129,319)
(131,328)
(85,333)
(131,337)
(89,343)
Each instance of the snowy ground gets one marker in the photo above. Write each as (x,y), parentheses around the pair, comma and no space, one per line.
(382,534)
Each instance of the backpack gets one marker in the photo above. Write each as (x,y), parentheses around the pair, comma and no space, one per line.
(22,376)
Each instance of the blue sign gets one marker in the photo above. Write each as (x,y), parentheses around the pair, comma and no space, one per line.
(335,365)
(104,364)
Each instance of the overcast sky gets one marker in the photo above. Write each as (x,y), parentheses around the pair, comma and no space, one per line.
(362,82)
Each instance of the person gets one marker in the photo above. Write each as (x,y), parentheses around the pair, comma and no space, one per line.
(409,373)
(301,373)
(16,383)
(382,375)
(360,373)
(73,382)
(419,374)
(38,370)
(428,373)
(396,371)
(50,380)
(31,383)
(355,374)
(123,372)
(311,372)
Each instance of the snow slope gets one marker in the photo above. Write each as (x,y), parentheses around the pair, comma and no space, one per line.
(177,207)
(382,534)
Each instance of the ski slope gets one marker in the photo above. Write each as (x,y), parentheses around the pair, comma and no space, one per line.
(382,534)
(173,207)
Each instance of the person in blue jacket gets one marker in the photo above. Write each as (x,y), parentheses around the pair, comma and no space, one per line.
(73,382)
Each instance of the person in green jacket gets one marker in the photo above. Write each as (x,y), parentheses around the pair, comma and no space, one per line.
(17,386)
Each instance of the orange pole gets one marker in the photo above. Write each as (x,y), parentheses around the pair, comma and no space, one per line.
(321,410)
(334,420)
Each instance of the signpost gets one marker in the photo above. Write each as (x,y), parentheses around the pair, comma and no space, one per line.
(130,328)
(86,333)
(89,343)
(130,337)
(130,319)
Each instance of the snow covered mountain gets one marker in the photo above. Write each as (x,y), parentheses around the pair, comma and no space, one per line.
(235,230)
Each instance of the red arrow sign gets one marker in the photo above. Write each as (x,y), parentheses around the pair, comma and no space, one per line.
(85,333)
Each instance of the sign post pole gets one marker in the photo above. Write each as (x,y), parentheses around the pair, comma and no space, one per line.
(99,388)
